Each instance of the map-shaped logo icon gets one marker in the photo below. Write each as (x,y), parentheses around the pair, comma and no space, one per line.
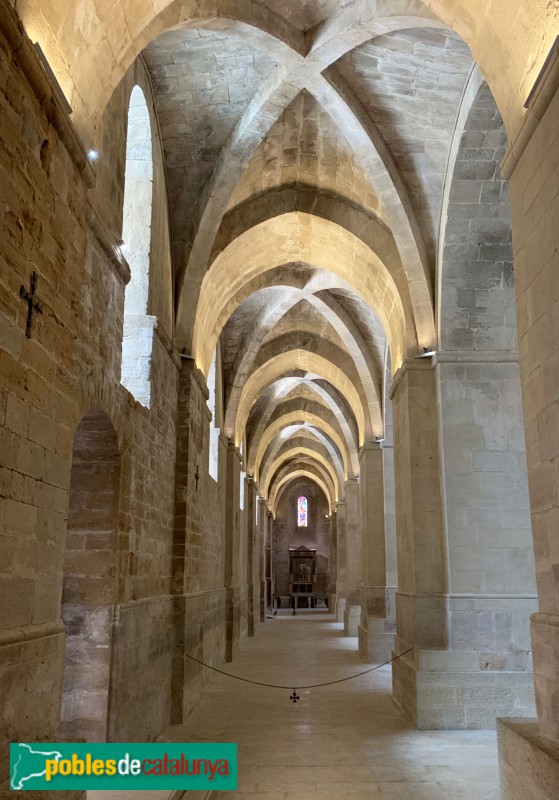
(29,764)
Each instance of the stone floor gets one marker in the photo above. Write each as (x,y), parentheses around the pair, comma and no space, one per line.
(347,741)
(130,795)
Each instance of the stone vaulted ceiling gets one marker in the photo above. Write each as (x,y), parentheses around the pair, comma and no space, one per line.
(306,197)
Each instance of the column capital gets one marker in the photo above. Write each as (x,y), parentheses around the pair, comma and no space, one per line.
(232,448)
(368,447)
(418,364)
(189,369)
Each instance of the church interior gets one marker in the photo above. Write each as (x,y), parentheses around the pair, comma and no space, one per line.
(279,389)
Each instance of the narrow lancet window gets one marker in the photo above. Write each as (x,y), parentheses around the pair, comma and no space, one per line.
(136,235)
(302,512)
(214,429)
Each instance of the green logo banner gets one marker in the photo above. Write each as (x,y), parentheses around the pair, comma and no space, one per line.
(39,765)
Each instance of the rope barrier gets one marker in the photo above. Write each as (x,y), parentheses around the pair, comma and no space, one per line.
(308,686)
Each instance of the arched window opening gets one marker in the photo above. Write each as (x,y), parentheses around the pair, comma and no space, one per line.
(302,519)
(242,491)
(242,486)
(136,234)
(214,430)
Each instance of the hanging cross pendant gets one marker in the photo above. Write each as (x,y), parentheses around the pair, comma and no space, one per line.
(32,303)
(294,697)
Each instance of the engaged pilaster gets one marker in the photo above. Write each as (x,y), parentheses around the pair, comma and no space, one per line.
(375,642)
(457,602)
(252,560)
(420,599)
(341,561)
(236,608)
(333,590)
(198,544)
(352,610)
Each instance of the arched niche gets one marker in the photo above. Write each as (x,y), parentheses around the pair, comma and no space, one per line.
(90,580)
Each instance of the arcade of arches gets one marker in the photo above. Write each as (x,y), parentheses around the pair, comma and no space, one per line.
(252,252)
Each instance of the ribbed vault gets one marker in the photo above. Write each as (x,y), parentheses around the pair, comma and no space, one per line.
(306,149)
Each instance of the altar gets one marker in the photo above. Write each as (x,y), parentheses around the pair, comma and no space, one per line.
(302,577)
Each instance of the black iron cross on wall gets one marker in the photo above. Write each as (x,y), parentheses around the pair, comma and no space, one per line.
(32,303)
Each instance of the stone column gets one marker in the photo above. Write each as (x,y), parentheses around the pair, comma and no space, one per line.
(266,556)
(486,519)
(199,544)
(352,611)
(197,588)
(420,599)
(262,534)
(375,643)
(341,567)
(233,552)
(460,525)
(271,558)
(529,752)
(252,559)
(390,533)
(332,591)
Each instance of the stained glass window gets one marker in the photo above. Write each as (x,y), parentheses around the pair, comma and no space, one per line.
(302,512)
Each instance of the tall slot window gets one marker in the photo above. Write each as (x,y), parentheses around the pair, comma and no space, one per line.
(214,430)
(136,235)
(302,518)
(243,477)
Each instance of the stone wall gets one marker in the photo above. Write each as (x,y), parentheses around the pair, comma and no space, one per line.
(533,167)
(490,554)
(198,546)
(142,660)
(477,275)
(71,364)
